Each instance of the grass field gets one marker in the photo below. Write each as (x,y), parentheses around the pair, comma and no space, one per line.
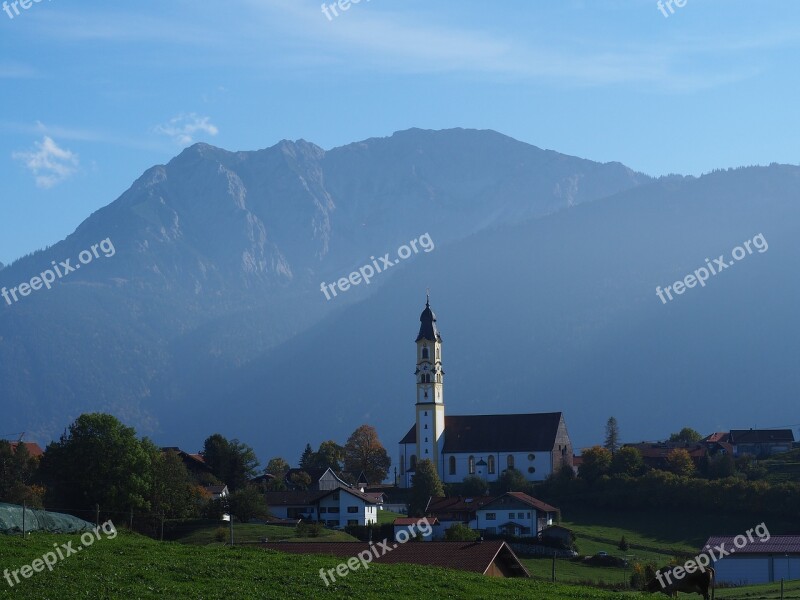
(132,567)
(387,516)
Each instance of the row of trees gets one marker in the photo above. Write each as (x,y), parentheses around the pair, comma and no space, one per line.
(98,460)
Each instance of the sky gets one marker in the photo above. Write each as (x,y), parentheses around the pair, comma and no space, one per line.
(94,93)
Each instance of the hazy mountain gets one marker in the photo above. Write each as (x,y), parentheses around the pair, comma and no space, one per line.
(561,313)
(216,265)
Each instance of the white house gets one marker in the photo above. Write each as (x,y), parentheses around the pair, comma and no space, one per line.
(515,513)
(337,507)
(536,444)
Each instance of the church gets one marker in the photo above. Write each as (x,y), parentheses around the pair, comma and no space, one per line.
(536,444)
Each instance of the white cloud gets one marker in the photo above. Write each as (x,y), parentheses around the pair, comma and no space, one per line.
(49,163)
(182,129)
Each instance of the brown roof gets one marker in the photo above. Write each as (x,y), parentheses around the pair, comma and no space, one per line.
(413,521)
(761,436)
(456,508)
(662,449)
(534,432)
(33,448)
(529,500)
(719,436)
(476,557)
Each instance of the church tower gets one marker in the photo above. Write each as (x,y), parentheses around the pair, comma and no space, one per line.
(430,389)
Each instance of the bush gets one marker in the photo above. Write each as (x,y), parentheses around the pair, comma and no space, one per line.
(310,530)
(220,535)
(460,533)
(642,573)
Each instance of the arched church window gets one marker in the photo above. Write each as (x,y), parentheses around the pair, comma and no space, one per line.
(452,465)
(402,465)
(413,462)
(425,352)
(510,461)
(471,463)
(491,464)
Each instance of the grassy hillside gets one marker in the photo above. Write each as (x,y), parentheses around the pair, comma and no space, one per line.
(131,566)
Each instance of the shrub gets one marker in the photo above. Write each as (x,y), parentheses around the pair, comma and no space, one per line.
(220,534)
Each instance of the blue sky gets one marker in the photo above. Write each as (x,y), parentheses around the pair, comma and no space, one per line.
(95,93)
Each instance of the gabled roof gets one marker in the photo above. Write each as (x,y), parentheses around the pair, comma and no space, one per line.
(292,498)
(32,447)
(524,499)
(761,436)
(476,557)
(776,544)
(456,508)
(352,492)
(532,432)
(501,433)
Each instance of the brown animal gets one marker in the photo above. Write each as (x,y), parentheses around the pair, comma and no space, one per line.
(699,582)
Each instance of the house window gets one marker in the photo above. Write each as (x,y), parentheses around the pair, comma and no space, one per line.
(471,462)
(352,509)
(452,465)
(331,523)
(491,464)
(491,516)
(510,461)
(529,515)
(333,509)
(352,522)
(322,510)
(512,515)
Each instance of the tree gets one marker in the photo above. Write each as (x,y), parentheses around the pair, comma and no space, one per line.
(17,469)
(232,462)
(511,480)
(612,435)
(248,503)
(300,480)
(173,493)
(680,462)
(98,460)
(474,486)
(720,467)
(277,467)
(687,435)
(460,533)
(623,544)
(364,452)
(329,456)
(307,459)
(596,462)
(424,484)
(627,461)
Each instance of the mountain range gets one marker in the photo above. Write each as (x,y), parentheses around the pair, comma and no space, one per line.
(209,314)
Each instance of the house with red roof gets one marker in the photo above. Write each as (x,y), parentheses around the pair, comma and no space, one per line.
(515,513)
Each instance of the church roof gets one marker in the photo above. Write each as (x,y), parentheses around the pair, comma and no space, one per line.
(427,325)
(533,432)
